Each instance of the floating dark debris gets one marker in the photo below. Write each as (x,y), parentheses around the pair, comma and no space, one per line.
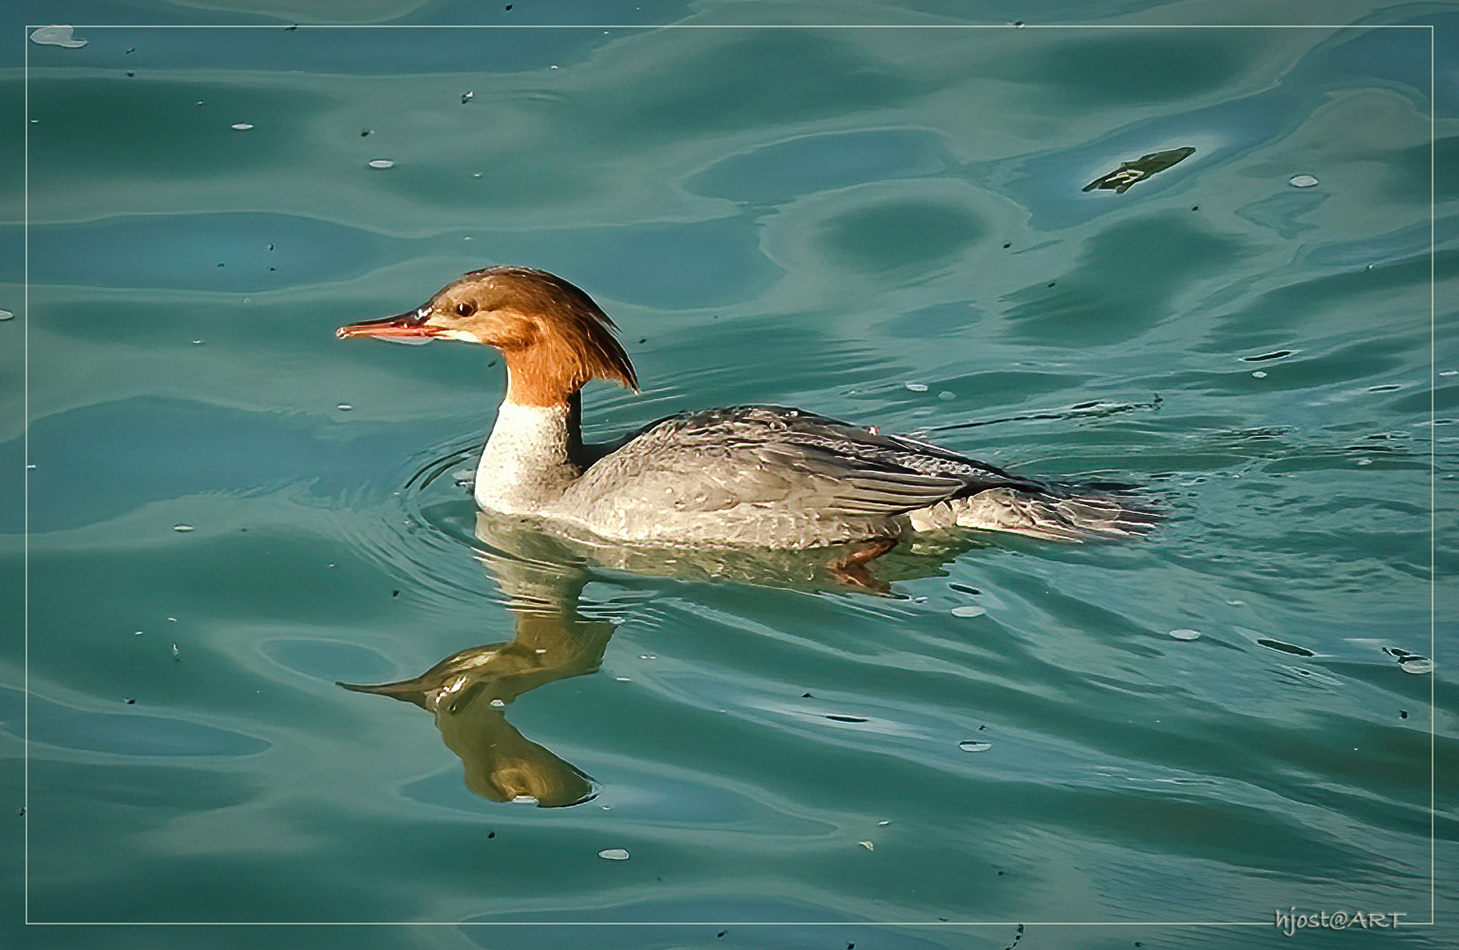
(1141,168)
(1281,647)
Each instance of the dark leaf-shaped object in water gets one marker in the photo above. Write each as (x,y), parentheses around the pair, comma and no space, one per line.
(1141,168)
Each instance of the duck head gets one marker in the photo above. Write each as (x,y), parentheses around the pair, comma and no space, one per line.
(553,336)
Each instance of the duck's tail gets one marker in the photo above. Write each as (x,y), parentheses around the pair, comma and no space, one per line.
(1053,512)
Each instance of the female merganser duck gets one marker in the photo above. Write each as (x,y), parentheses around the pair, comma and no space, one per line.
(761,476)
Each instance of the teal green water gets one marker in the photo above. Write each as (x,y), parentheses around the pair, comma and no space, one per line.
(229,510)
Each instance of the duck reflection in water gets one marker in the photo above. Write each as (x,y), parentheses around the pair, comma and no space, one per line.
(542,576)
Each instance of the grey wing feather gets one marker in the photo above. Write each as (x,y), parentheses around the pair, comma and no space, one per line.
(771,455)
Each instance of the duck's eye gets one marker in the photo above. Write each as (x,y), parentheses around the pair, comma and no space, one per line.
(465,309)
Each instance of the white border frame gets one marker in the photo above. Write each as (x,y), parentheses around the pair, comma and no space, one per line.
(721,924)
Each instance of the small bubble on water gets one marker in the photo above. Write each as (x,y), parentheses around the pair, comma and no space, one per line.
(916,387)
(498,703)
(969,611)
(613,854)
(883,824)
(525,800)
(1259,374)
(623,679)
(7,315)
(647,656)
(197,342)
(1416,664)
(1185,634)
(344,407)
(182,527)
(137,634)
(947,396)
(1302,181)
(381,163)
(242,126)
(974,745)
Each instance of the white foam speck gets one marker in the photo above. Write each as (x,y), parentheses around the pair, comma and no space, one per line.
(1302,181)
(613,854)
(916,387)
(242,126)
(382,163)
(1259,374)
(1185,634)
(498,703)
(974,745)
(182,527)
(525,800)
(56,36)
(623,679)
(344,407)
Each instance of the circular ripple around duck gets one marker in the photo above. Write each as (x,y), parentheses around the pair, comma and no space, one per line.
(422,534)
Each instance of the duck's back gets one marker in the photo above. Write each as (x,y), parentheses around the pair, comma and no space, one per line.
(766,475)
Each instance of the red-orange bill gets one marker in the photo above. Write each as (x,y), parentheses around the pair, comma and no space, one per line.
(405,328)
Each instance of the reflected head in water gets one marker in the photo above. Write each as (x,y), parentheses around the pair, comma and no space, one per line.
(468,691)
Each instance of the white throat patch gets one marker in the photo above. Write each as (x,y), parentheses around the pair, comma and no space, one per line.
(525,463)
